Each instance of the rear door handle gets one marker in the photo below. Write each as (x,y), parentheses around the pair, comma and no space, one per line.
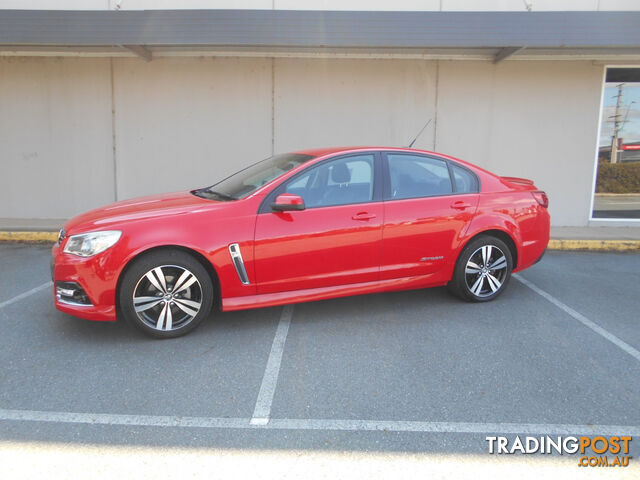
(460,205)
(364,216)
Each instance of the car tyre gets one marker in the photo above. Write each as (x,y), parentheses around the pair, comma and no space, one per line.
(166,293)
(482,270)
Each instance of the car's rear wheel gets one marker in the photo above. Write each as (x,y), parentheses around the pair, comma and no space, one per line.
(166,293)
(483,270)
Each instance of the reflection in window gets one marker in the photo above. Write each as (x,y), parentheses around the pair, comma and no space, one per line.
(339,182)
(617,192)
(465,181)
(414,176)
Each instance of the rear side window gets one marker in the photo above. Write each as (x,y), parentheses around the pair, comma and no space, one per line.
(414,176)
(465,181)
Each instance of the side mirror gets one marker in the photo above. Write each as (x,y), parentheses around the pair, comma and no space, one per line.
(287,201)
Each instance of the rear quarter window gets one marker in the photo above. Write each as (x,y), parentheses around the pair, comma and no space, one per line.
(464,180)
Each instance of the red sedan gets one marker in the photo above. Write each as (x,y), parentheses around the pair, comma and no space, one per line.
(298,227)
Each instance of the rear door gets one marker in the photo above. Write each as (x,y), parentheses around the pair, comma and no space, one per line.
(335,240)
(428,205)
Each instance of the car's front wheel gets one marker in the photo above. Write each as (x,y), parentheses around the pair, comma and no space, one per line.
(483,270)
(166,293)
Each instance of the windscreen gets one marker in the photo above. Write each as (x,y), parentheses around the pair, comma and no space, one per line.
(245,182)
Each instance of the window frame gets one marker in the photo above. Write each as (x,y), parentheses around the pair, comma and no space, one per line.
(387,176)
(601,221)
(265,205)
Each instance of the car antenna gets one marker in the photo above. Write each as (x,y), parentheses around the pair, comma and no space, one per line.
(420,132)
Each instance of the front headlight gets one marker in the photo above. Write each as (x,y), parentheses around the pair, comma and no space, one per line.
(89,244)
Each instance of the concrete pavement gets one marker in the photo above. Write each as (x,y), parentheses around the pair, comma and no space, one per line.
(414,379)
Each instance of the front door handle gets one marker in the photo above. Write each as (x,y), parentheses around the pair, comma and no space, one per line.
(364,216)
(460,205)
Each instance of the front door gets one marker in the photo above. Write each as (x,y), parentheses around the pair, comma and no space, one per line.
(335,240)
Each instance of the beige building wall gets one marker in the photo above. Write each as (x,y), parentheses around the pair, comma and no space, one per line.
(55,136)
(537,120)
(412,5)
(353,102)
(185,122)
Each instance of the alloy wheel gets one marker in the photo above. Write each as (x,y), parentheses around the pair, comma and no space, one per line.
(167,297)
(486,271)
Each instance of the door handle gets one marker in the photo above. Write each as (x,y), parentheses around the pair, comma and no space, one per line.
(364,216)
(460,205)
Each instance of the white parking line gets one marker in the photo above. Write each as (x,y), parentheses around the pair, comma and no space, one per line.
(581,318)
(315,424)
(25,294)
(262,411)
(449,427)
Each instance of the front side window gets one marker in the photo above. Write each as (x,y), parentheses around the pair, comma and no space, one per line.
(339,182)
(414,176)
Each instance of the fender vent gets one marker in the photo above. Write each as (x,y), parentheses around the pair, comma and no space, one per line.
(238,262)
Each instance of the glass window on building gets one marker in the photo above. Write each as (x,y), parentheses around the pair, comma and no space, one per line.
(617,189)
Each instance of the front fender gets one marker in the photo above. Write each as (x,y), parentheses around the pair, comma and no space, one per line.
(206,235)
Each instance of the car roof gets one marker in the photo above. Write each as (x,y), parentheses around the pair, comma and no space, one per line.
(319,152)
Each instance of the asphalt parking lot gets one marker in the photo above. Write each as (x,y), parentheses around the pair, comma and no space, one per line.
(415,371)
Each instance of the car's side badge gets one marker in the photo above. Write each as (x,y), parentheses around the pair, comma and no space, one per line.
(427,259)
(236,256)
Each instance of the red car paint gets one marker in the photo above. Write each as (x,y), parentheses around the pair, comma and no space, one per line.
(298,256)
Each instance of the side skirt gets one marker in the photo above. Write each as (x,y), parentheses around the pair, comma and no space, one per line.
(323,293)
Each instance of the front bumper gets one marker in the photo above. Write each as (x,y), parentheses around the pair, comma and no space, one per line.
(94,276)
